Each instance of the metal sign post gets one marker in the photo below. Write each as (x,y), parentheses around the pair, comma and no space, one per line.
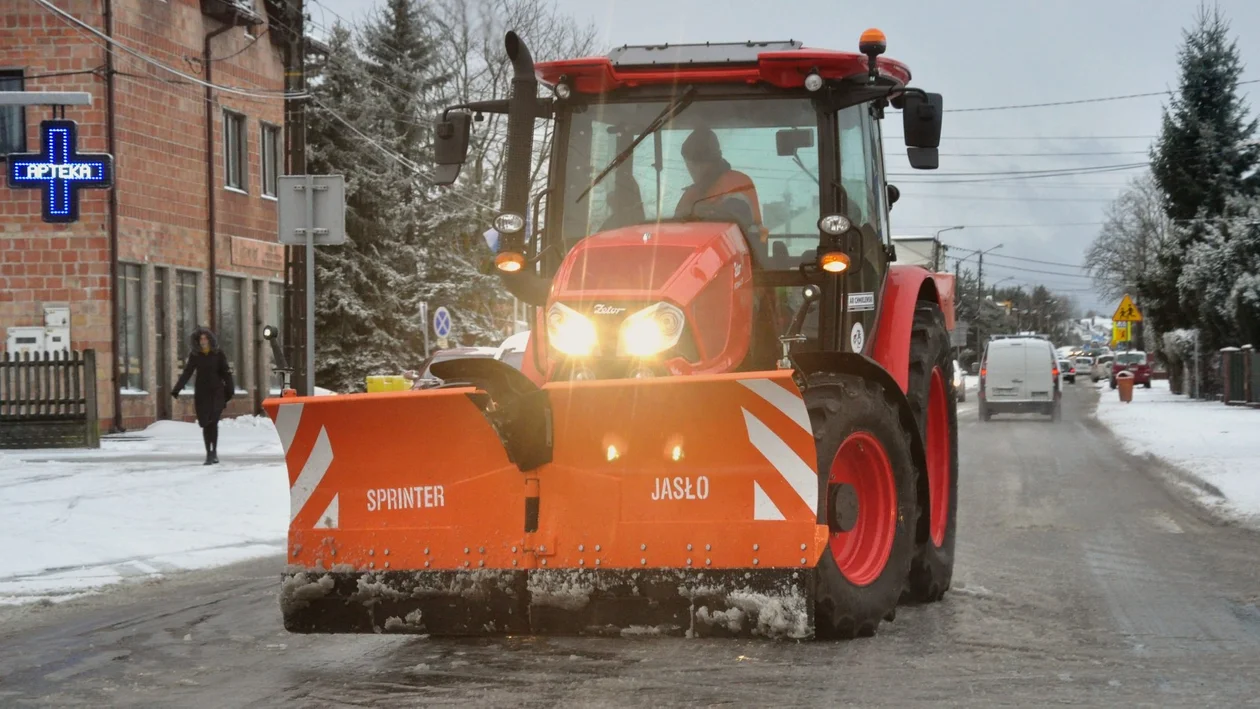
(319,218)
(424,322)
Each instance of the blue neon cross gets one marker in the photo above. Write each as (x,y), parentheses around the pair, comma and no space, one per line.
(60,171)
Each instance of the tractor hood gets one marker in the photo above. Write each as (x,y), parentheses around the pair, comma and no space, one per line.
(701,271)
(652,262)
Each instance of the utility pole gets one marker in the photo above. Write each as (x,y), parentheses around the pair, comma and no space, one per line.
(295,164)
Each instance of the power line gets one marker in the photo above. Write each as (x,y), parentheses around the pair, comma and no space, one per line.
(1029,172)
(1019,258)
(1076,102)
(1013,178)
(972,198)
(934,227)
(73,21)
(1033,270)
(1035,137)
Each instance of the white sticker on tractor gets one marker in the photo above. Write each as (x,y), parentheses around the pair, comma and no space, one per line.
(859,302)
(405,498)
(857,337)
(681,488)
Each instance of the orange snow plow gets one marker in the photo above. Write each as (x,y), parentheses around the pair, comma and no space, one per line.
(712,476)
(731,418)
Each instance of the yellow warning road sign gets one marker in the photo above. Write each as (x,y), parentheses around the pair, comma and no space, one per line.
(1127,311)
(1119,333)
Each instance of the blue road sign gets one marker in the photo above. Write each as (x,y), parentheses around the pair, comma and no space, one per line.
(442,322)
(60,171)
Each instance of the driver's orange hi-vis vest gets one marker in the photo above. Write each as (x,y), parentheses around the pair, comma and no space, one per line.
(731,184)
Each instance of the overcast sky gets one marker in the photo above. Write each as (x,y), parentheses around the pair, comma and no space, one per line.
(978,53)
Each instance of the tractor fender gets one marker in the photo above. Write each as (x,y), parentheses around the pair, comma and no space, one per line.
(904,287)
(808,363)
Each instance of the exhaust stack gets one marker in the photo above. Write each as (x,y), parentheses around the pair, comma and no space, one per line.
(517,276)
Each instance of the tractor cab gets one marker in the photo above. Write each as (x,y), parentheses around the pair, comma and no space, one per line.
(700,188)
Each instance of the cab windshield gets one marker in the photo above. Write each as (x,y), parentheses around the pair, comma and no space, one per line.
(749,133)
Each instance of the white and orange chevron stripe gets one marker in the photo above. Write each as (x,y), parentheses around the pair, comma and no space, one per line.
(800,474)
(313,469)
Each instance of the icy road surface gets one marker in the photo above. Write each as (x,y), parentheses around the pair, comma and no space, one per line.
(140,507)
(1082,579)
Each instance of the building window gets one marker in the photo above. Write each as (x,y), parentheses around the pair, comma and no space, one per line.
(130,324)
(12,118)
(187,301)
(275,318)
(271,158)
(231,325)
(235,150)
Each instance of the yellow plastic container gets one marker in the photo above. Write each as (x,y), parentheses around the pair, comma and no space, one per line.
(387,382)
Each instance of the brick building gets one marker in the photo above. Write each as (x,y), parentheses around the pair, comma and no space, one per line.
(188,236)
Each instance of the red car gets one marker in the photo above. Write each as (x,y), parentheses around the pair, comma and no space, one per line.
(1135,362)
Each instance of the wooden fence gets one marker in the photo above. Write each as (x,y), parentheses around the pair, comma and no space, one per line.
(48,400)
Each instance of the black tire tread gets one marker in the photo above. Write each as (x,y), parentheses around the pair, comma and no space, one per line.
(829,397)
(932,569)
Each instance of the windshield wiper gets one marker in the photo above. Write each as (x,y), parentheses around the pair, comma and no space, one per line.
(678,106)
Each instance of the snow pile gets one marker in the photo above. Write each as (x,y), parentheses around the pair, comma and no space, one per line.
(1214,444)
(567,589)
(139,507)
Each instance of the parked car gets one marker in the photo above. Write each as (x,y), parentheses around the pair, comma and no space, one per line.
(1136,362)
(1067,371)
(1017,375)
(1084,365)
(512,351)
(1102,368)
(960,382)
(424,379)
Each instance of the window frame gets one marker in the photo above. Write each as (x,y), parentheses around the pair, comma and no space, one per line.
(182,337)
(20,76)
(235,131)
(235,356)
(270,157)
(275,318)
(129,379)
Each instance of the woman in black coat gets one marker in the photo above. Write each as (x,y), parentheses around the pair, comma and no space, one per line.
(213,389)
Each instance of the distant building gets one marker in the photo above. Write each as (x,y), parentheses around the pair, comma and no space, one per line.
(192,239)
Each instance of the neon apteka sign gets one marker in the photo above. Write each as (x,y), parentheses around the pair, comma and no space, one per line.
(60,170)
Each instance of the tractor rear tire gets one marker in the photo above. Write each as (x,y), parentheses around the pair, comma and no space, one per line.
(867,486)
(937,416)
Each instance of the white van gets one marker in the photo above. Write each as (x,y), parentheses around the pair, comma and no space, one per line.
(1019,375)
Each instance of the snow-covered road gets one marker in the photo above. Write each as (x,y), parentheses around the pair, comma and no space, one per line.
(1209,441)
(142,505)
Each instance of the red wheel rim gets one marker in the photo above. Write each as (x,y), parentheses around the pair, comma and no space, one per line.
(862,552)
(938,457)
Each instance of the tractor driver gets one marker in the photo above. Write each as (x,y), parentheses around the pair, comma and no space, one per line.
(718,189)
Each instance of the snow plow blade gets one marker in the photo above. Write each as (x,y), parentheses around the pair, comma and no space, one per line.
(680,505)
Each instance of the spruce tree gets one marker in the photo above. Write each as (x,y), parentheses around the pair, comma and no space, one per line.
(1201,159)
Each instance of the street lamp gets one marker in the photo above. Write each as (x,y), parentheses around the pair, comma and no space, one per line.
(937,266)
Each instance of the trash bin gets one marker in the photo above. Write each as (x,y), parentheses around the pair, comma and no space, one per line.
(1124,384)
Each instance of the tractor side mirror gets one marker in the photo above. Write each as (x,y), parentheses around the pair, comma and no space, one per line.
(894,194)
(790,140)
(450,146)
(921,124)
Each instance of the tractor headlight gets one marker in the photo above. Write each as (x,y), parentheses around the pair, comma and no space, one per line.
(651,331)
(570,331)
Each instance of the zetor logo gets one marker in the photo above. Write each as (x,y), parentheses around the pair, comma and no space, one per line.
(601,309)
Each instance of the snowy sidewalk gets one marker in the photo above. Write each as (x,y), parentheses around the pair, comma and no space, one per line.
(142,505)
(1213,443)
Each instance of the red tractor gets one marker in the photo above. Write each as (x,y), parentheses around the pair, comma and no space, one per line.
(736,415)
